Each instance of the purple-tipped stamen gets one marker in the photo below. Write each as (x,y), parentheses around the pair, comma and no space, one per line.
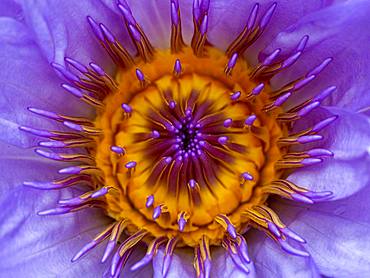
(177,68)
(246,176)
(131,164)
(289,233)
(117,150)
(73,90)
(140,76)
(258,89)
(319,152)
(228,122)
(250,120)
(311,161)
(232,62)
(134,32)
(127,108)
(222,140)
(324,123)
(97,69)
(274,229)
(204,25)
(291,250)
(309,138)
(235,96)
(149,201)
(67,74)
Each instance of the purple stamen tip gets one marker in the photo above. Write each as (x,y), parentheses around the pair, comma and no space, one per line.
(322,196)
(235,96)
(108,250)
(291,60)
(134,32)
(324,93)
(177,67)
(67,74)
(231,230)
(228,122)
(172,104)
(127,14)
(107,33)
(270,58)
(204,25)
(311,161)
(274,229)
(222,140)
(40,112)
(291,250)
(301,198)
(181,223)
(95,28)
(266,18)
(101,192)
(246,176)
(324,123)
(77,65)
(309,138)
(319,152)
(168,160)
(289,233)
(280,100)
(232,61)
(117,149)
(131,164)
(302,43)
(250,120)
(149,201)
(140,75)
(174,14)
(308,108)
(73,126)
(97,69)
(258,89)
(166,265)
(155,134)
(127,108)
(192,183)
(70,170)
(157,212)
(73,90)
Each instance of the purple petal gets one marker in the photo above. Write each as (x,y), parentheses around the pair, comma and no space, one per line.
(348,170)
(61,29)
(35,246)
(223,266)
(271,261)
(29,82)
(337,233)
(349,69)
(181,265)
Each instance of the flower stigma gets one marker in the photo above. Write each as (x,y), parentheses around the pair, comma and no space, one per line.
(188,143)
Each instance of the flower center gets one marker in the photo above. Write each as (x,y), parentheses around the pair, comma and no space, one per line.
(193,146)
(187,146)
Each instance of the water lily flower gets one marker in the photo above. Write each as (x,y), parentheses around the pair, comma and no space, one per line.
(204,138)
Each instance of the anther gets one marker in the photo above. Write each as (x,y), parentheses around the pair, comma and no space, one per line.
(131,164)
(231,64)
(118,150)
(228,122)
(250,120)
(177,68)
(149,201)
(127,108)
(235,96)
(182,219)
(158,210)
